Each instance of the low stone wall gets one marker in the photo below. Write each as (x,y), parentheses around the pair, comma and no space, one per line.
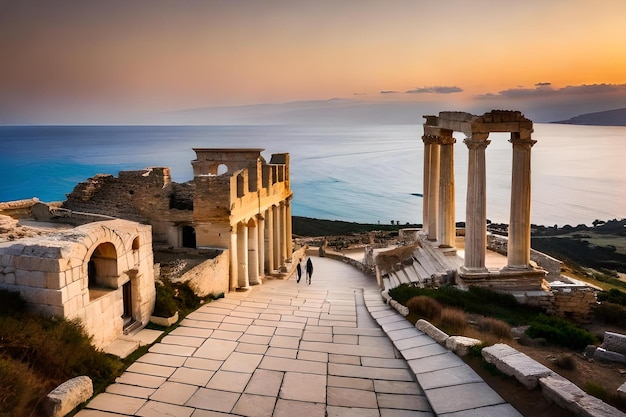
(553,386)
(369,270)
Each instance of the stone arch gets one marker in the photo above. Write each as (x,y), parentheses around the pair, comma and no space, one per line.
(136,243)
(222,169)
(102,266)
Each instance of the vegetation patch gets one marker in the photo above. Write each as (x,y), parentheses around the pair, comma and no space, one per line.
(560,332)
(37,354)
(476,300)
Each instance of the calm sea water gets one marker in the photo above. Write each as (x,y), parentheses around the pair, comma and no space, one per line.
(354,173)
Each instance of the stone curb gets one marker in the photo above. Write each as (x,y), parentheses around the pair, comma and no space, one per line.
(554,387)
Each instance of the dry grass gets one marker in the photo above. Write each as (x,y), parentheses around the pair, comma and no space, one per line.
(453,320)
(498,328)
(425,307)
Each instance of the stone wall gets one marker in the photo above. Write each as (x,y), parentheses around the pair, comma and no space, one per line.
(51,272)
(146,195)
(209,277)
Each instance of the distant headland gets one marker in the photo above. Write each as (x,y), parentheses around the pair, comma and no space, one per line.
(615,117)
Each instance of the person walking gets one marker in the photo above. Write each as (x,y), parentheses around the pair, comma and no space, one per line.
(298,272)
(309,270)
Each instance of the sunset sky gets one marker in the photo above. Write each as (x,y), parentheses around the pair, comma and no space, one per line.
(93,61)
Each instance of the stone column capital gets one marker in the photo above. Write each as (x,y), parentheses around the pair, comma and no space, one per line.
(447,140)
(477,141)
(527,143)
(431,139)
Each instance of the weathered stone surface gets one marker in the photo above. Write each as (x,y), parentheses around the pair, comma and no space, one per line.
(508,360)
(432,331)
(570,397)
(67,396)
(461,344)
(604,355)
(621,391)
(614,342)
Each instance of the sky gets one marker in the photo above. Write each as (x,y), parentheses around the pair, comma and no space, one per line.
(121,61)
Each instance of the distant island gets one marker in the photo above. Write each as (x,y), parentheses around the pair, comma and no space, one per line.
(615,117)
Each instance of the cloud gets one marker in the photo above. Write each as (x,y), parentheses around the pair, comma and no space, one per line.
(439,89)
(389,92)
(545,89)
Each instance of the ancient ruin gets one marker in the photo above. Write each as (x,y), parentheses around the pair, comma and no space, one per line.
(100,273)
(439,193)
(236,202)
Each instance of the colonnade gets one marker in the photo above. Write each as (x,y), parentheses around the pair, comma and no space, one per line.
(439,192)
(260,245)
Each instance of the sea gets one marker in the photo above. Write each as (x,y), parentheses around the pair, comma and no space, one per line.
(357,173)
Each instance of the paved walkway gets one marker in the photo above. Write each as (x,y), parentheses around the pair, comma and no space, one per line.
(285,349)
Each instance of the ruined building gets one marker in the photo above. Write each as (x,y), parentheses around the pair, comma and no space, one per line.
(237,202)
(102,271)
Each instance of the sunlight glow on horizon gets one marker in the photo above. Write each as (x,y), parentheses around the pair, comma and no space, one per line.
(157,56)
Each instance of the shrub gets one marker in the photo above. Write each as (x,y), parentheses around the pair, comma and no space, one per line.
(453,320)
(424,306)
(611,313)
(614,296)
(565,361)
(11,303)
(560,332)
(496,327)
(20,388)
(165,305)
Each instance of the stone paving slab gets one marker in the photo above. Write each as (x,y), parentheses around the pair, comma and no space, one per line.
(284,349)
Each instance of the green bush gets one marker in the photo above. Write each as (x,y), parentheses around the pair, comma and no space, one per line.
(560,332)
(613,295)
(165,304)
(611,313)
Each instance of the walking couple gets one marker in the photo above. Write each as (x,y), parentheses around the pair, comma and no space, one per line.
(309,271)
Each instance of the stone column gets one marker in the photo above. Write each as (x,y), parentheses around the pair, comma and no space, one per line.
(433,190)
(446,213)
(242,255)
(518,252)
(289,231)
(282,231)
(234,264)
(476,206)
(276,234)
(269,241)
(253,253)
(425,220)
(261,243)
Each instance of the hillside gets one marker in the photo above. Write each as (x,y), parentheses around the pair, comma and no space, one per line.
(615,117)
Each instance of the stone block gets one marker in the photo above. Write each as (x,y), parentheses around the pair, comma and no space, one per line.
(461,344)
(67,396)
(525,369)
(604,355)
(9,278)
(621,391)
(35,279)
(432,331)
(568,396)
(614,342)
